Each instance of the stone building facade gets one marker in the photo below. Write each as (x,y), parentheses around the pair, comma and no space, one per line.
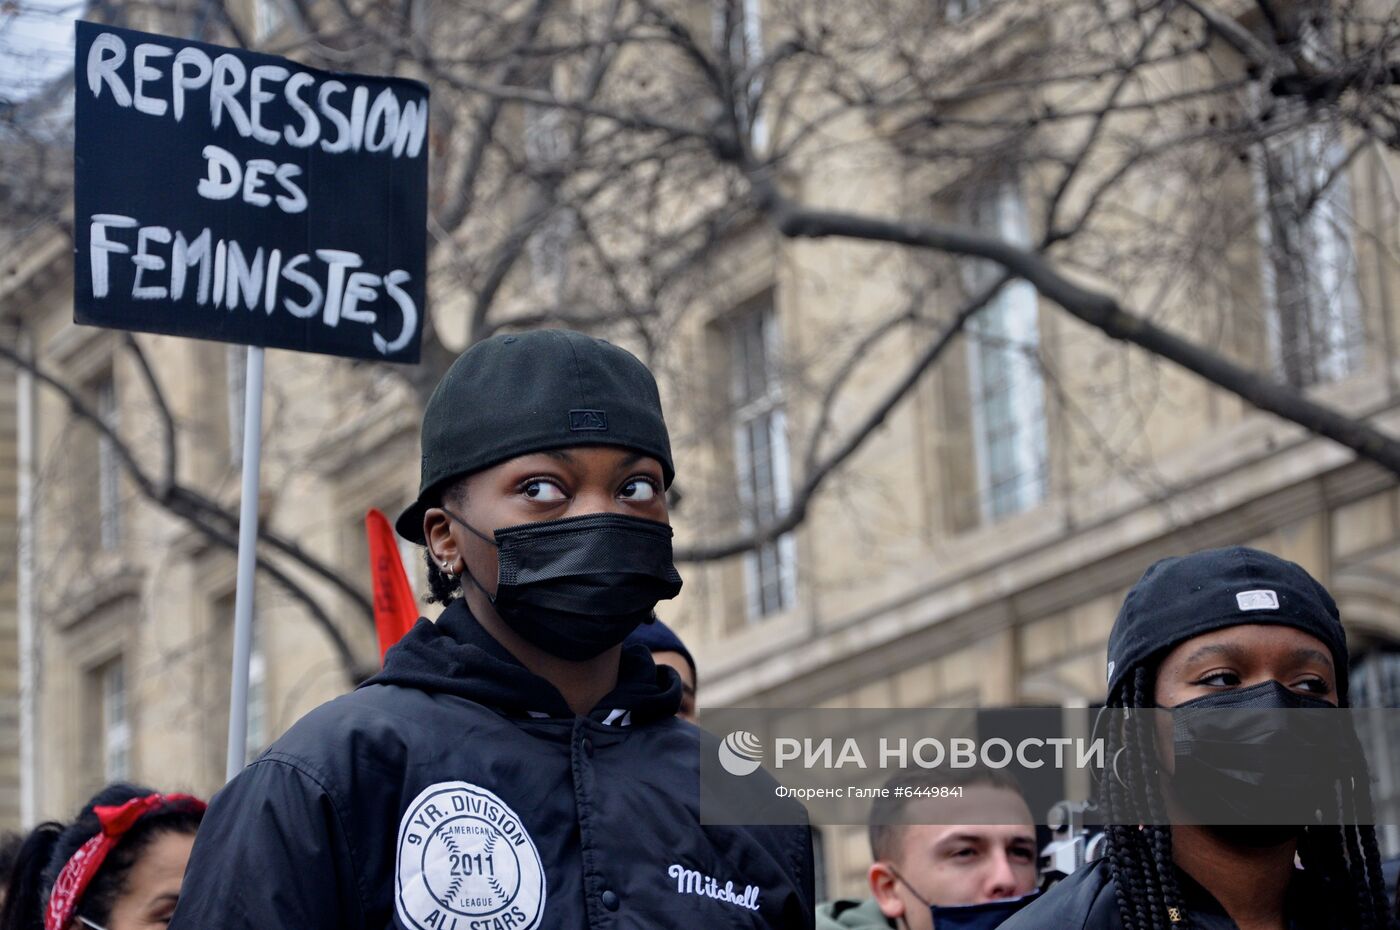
(973,552)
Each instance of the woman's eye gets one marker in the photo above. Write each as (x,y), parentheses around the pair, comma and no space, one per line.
(966,853)
(1220,680)
(540,490)
(1313,686)
(638,490)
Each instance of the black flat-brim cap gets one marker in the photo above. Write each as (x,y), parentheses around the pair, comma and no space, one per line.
(1183,597)
(522,393)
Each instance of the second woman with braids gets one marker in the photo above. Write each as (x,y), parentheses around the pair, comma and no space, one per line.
(1224,629)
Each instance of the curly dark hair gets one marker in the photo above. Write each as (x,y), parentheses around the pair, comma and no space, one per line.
(1345,860)
(49,846)
(443,587)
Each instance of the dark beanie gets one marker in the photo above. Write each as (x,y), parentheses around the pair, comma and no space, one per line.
(532,392)
(658,637)
(1178,598)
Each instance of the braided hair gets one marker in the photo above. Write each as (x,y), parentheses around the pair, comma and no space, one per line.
(1343,860)
(49,846)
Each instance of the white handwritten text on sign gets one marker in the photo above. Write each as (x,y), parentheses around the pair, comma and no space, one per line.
(229,195)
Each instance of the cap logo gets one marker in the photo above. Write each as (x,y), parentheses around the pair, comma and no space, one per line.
(1257,600)
(587,420)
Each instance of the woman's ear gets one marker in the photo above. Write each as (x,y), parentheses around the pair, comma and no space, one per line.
(437,532)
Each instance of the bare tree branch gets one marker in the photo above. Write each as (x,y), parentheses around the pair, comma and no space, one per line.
(813,480)
(167,421)
(1097,309)
(483,127)
(1234,35)
(202,514)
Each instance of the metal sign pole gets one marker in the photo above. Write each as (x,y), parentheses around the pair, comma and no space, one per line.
(247,563)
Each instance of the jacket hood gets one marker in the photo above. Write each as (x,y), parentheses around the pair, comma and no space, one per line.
(455,655)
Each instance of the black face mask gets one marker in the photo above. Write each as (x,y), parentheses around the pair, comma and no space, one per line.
(986,916)
(1253,774)
(576,587)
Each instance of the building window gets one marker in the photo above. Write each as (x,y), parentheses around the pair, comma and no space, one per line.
(738,27)
(257,697)
(546,136)
(548,251)
(108,467)
(220,684)
(1007,386)
(1375,684)
(411,555)
(116,727)
(1314,311)
(236,361)
(956,10)
(547,145)
(761,457)
(268,16)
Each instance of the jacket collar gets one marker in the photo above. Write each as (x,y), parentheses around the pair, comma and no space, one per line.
(456,655)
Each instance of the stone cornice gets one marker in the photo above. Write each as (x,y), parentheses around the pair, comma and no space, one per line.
(120,581)
(1042,565)
(31,271)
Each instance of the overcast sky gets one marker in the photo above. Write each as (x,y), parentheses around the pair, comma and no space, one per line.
(36,44)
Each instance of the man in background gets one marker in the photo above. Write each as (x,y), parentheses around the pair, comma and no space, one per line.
(971,874)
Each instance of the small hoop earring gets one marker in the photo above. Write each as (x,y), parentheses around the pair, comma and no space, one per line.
(447,567)
(1117,777)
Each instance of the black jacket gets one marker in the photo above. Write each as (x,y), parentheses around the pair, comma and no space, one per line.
(1088,900)
(456,791)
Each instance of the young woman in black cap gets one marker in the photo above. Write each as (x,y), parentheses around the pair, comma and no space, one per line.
(1235,630)
(513,766)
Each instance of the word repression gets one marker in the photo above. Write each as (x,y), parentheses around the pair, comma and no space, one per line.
(323,110)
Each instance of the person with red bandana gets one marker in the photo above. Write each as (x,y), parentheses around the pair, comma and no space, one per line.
(118,866)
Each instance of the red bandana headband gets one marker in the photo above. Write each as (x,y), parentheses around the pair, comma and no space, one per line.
(79,872)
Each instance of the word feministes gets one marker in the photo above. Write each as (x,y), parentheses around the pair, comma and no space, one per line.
(230,195)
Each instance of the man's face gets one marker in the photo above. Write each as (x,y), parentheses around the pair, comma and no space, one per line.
(959,864)
(682,667)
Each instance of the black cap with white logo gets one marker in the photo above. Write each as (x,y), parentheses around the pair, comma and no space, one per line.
(530,392)
(1178,598)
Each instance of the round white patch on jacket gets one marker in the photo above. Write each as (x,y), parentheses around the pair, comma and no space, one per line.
(465,861)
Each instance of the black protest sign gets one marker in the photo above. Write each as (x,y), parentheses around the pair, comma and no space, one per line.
(228,195)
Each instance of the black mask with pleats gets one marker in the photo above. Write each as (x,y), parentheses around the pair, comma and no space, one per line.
(576,587)
(985,916)
(1259,763)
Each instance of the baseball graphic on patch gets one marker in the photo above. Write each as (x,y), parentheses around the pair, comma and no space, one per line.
(466,862)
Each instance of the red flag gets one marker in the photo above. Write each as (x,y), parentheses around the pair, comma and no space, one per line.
(394,609)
